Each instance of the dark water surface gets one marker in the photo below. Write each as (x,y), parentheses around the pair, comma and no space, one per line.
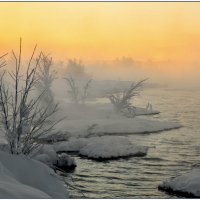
(171,153)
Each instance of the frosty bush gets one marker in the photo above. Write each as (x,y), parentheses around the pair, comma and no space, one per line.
(78,92)
(78,81)
(122,101)
(46,76)
(23,119)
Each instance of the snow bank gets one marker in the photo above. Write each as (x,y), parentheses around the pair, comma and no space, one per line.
(105,147)
(118,126)
(11,188)
(187,185)
(21,177)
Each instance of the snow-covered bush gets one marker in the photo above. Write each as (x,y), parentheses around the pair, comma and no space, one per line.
(22,117)
(78,89)
(122,101)
(46,76)
(78,81)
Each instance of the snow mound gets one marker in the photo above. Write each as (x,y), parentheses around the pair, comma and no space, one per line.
(109,147)
(65,162)
(48,156)
(105,147)
(21,177)
(187,185)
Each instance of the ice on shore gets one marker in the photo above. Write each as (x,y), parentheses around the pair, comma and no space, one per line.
(187,185)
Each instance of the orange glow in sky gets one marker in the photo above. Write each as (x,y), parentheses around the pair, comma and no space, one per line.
(104,30)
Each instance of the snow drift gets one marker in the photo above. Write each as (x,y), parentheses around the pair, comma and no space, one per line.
(21,177)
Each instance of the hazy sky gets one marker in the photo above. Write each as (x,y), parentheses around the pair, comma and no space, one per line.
(99,30)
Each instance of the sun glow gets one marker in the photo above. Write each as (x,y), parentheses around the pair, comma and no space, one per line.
(104,30)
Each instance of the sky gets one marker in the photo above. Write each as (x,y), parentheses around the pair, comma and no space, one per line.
(93,31)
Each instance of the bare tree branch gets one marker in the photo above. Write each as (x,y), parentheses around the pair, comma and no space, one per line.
(23,118)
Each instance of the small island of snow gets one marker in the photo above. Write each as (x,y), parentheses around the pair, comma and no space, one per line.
(187,185)
(101,148)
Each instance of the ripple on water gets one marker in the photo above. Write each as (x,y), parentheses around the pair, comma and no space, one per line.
(172,153)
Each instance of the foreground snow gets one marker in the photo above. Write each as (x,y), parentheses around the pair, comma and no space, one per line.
(105,147)
(21,177)
(187,185)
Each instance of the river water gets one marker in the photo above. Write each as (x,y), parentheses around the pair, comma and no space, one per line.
(171,153)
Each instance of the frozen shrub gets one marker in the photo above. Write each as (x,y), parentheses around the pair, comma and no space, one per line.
(46,76)
(23,119)
(77,93)
(122,101)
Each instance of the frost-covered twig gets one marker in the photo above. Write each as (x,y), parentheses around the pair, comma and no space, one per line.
(2,61)
(73,91)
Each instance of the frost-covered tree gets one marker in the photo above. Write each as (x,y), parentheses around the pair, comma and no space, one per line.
(78,81)
(22,118)
(122,101)
(46,75)
(78,93)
